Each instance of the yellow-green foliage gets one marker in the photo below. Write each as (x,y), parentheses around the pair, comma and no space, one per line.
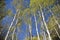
(18,4)
(41,2)
(35,38)
(51,23)
(35,4)
(56,9)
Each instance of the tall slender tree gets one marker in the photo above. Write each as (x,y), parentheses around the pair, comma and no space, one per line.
(27,19)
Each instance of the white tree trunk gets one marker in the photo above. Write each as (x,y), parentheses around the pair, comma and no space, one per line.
(36,27)
(57,32)
(45,24)
(44,35)
(13,33)
(14,30)
(30,30)
(10,26)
